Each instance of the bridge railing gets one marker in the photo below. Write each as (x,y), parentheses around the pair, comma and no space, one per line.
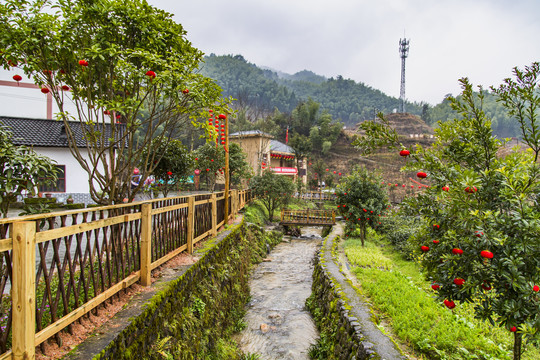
(57,267)
(315,195)
(307,217)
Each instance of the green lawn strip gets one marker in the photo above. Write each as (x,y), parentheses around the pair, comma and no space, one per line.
(416,317)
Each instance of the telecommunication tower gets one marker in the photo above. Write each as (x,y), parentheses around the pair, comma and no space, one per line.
(403,53)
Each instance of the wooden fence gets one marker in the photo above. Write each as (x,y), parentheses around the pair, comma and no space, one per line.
(308,217)
(57,267)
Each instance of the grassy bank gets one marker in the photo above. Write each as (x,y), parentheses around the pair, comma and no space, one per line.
(401,296)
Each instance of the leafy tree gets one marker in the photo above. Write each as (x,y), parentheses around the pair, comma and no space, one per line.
(481,244)
(127,67)
(239,169)
(210,159)
(273,191)
(21,171)
(361,200)
(174,167)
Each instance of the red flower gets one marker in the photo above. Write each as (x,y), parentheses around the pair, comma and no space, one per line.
(459,281)
(151,74)
(404,153)
(435,241)
(436,226)
(446,188)
(424,248)
(207,169)
(421,175)
(169,173)
(186,91)
(485,287)
(457,251)
(513,329)
(486,254)
(449,304)
(44,90)
(478,233)
(65,87)
(326,169)
(83,63)
(471,190)
(107,112)
(222,116)
(435,286)
(17,78)
(536,288)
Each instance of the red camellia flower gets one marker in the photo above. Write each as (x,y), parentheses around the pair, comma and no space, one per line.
(326,169)
(83,63)
(421,175)
(45,90)
(435,241)
(486,254)
(478,233)
(404,153)
(151,74)
(459,281)
(186,91)
(169,173)
(107,112)
(471,190)
(457,251)
(513,329)
(17,78)
(435,286)
(449,304)
(446,188)
(485,287)
(536,288)
(424,248)
(65,87)
(207,169)
(222,116)
(436,226)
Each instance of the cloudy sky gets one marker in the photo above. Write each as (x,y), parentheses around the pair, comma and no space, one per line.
(358,39)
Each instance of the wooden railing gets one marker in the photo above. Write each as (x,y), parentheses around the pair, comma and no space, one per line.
(57,267)
(315,195)
(308,217)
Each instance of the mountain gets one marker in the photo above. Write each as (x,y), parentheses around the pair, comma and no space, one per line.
(267,89)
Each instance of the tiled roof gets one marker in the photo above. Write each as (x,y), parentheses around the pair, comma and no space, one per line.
(250,133)
(279,147)
(44,132)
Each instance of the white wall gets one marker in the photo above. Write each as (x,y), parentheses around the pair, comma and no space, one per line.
(76,177)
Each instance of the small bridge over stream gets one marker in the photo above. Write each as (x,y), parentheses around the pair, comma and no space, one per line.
(308,217)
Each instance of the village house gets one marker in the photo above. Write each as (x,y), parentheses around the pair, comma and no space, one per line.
(263,152)
(48,138)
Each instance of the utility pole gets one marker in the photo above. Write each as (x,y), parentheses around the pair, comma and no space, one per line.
(403,53)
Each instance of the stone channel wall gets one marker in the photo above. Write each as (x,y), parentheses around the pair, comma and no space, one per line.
(202,305)
(341,335)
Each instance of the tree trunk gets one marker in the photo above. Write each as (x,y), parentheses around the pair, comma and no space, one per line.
(517,345)
(363,234)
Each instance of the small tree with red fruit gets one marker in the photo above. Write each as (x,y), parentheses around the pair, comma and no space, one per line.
(480,242)
(361,200)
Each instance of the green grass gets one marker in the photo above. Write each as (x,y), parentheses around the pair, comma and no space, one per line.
(403,296)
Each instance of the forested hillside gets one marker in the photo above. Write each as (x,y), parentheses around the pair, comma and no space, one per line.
(265,90)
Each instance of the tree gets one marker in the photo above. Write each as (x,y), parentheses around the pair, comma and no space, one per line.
(274,191)
(21,171)
(239,169)
(361,200)
(211,162)
(126,66)
(480,242)
(174,167)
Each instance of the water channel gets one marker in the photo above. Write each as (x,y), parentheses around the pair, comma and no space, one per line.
(278,326)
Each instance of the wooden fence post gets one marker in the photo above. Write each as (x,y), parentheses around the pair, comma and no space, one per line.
(214,214)
(146,244)
(235,202)
(190,224)
(24,290)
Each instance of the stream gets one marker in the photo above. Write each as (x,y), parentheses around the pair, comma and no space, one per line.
(278,326)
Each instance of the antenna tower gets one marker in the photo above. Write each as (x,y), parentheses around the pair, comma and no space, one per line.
(403,53)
